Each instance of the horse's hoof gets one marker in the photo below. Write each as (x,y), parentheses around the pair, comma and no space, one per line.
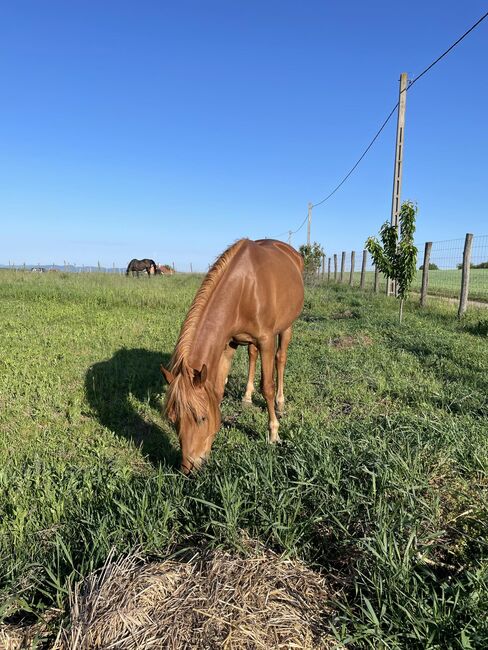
(274,441)
(279,410)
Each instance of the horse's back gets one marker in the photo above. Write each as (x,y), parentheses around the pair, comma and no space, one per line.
(268,275)
(275,248)
(269,261)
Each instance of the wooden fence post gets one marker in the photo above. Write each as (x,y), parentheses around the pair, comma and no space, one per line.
(362,284)
(328,270)
(425,274)
(353,264)
(335,267)
(343,265)
(376,279)
(323,266)
(465,274)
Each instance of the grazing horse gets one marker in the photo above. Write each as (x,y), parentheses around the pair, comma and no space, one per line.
(141,265)
(251,296)
(164,269)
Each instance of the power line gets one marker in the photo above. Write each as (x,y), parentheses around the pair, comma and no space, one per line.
(359,160)
(447,51)
(411,83)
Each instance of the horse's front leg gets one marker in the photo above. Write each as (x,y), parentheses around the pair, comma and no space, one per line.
(267,348)
(224,367)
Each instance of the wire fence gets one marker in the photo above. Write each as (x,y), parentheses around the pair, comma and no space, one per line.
(67,267)
(445,274)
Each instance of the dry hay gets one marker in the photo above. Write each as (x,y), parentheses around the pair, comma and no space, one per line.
(10,639)
(214,600)
(22,634)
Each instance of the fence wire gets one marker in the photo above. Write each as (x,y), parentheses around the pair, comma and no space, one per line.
(445,272)
(478,280)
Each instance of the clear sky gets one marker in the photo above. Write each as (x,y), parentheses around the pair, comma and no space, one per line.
(170,129)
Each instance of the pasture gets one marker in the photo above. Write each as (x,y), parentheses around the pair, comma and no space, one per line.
(380,483)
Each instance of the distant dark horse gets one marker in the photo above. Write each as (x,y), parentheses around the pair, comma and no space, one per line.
(136,266)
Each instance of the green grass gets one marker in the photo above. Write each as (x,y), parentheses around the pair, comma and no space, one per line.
(381,481)
(441,283)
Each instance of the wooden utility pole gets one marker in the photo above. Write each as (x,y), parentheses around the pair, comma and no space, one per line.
(397,171)
(309,222)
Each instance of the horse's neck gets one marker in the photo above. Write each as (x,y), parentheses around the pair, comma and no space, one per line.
(212,334)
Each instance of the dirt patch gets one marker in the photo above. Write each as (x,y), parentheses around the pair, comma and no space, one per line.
(348,341)
(347,313)
(213,600)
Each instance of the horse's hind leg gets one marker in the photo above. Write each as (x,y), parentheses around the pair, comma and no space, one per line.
(267,348)
(281,354)
(253,355)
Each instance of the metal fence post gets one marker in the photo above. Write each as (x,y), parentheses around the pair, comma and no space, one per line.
(425,274)
(465,274)
(362,283)
(353,264)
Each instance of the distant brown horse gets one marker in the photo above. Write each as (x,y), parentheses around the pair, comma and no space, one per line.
(136,266)
(252,294)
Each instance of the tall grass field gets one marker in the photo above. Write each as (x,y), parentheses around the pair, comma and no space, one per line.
(380,483)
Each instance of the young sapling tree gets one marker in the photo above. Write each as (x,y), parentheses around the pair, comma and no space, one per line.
(397,259)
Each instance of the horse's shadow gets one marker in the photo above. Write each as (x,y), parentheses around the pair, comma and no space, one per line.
(124,392)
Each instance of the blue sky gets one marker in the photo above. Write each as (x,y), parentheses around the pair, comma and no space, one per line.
(169,130)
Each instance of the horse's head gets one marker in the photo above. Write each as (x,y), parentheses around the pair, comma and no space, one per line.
(192,406)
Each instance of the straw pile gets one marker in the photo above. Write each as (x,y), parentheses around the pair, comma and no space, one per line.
(214,600)
(10,639)
(23,635)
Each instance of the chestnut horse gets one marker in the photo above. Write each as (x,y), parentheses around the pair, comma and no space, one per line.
(251,296)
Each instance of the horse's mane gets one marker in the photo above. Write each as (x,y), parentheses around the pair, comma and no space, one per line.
(199,303)
(180,394)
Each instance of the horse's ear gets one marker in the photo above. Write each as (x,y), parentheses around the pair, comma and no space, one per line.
(167,374)
(200,376)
